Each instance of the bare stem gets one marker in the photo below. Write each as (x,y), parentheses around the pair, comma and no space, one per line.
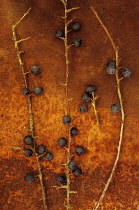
(94,105)
(122,112)
(31,120)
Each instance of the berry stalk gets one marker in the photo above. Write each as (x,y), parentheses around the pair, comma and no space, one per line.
(31,120)
(122,110)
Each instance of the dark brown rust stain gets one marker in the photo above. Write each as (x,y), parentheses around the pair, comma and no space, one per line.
(87,66)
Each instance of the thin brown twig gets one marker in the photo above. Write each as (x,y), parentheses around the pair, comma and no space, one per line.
(31,120)
(122,111)
(93,102)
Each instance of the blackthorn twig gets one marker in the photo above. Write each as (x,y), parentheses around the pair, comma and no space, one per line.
(122,110)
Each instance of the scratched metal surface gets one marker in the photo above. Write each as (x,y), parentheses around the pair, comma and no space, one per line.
(87,66)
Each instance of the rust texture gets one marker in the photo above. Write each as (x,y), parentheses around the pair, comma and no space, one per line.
(87,66)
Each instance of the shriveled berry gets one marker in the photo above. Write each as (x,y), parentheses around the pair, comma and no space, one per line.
(61,179)
(73,131)
(62,142)
(72,165)
(59,33)
(77,172)
(66,120)
(86,97)
(111,67)
(79,150)
(48,156)
(83,108)
(35,69)
(28,152)
(77,42)
(115,108)
(126,72)
(90,89)
(75,26)
(28,140)
(41,149)
(25,91)
(29,178)
(38,90)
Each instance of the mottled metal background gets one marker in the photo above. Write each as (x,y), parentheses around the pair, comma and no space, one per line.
(87,66)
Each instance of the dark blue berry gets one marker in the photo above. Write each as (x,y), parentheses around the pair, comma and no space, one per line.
(83,108)
(28,140)
(90,89)
(126,72)
(77,42)
(29,178)
(48,156)
(79,150)
(75,26)
(35,69)
(61,179)
(25,91)
(41,149)
(38,90)
(115,108)
(86,97)
(28,152)
(62,142)
(111,67)
(72,165)
(66,120)
(77,172)
(59,33)
(73,131)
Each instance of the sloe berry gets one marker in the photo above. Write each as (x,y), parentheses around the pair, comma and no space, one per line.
(86,97)
(77,42)
(38,90)
(28,152)
(35,69)
(79,150)
(77,172)
(48,156)
(41,149)
(62,142)
(111,67)
(28,140)
(73,131)
(83,108)
(90,89)
(29,178)
(126,72)
(59,33)
(115,108)
(25,91)
(61,179)
(72,165)
(66,120)
(75,26)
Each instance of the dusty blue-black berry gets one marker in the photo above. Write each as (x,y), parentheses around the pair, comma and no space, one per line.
(75,26)
(77,42)
(48,156)
(29,178)
(73,131)
(72,165)
(61,179)
(83,108)
(28,140)
(90,89)
(77,172)
(86,97)
(115,108)
(111,67)
(38,90)
(35,69)
(62,142)
(28,152)
(25,91)
(41,149)
(59,33)
(79,150)
(126,72)
(66,120)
